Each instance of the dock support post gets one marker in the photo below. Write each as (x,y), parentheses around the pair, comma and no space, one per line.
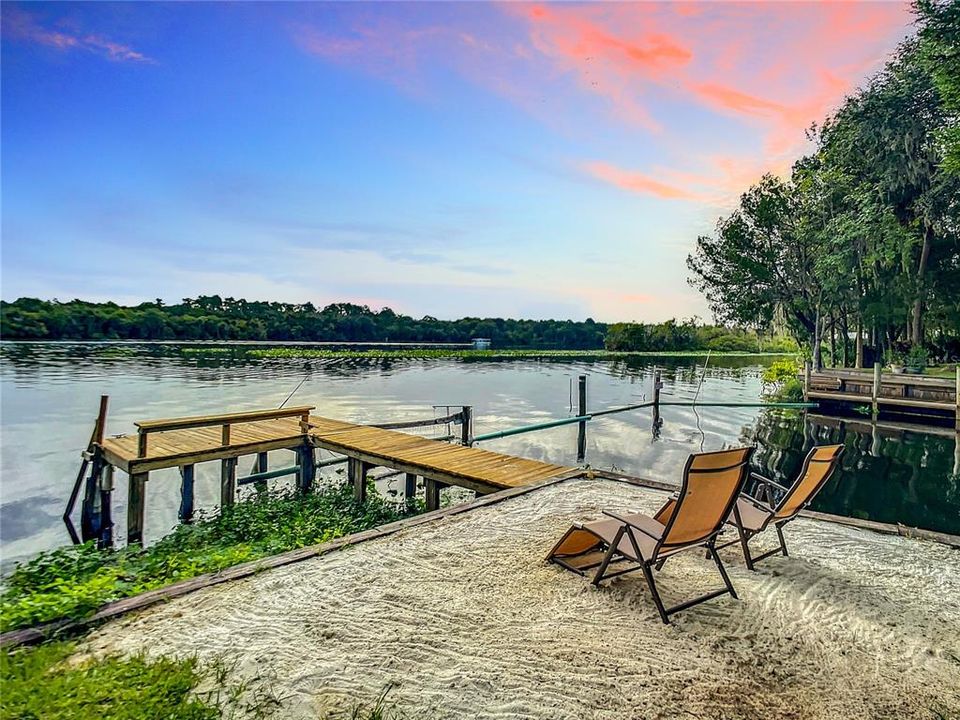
(957,398)
(186,493)
(357,475)
(136,498)
(432,489)
(261,467)
(308,468)
(657,385)
(91,520)
(409,488)
(466,426)
(106,511)
(582,411)
(806,380)
(875,391)
(228,482)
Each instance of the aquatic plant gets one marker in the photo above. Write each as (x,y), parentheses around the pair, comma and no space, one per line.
(72,582)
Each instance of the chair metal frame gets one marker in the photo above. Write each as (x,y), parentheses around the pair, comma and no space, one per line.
(744,535)
(658,558)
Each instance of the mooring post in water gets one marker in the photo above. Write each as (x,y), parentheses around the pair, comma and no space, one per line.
(308,465)
(657,385)
(186,493)
(261,467)
(875,391)
(106,512)
(957,399)
(91,522)
(466,426)
(582,412)
(228,481)
(136,497)
(432,489)
(806,380)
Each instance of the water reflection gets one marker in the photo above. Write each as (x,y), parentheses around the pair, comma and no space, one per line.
(49,395)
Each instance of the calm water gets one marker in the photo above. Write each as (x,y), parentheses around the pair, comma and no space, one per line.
(49,395)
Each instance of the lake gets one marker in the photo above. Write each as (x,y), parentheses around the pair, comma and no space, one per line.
(49,394)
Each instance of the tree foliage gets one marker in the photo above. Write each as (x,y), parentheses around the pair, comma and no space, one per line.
(862,241)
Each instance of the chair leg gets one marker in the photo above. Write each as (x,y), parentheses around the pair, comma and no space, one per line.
(783,543)
(651,583)
(608,557)
(723,571)
(744,540)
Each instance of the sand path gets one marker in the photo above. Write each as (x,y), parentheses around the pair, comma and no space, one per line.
(465,619)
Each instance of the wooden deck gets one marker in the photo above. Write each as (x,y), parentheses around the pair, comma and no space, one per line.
(184,442)
(470,467)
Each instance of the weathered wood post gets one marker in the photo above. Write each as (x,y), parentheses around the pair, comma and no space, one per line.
(357,475)
(806,380)
(308,467)
(957,400)
(582,425)
(186,493)
(136,498)
(106,511)
(432,489)
(875,391)
(261,467)
(466,426)
(409,488)
(91,507)
(657,384)
(228,482)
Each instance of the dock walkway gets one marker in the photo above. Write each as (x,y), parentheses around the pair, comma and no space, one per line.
(183,442)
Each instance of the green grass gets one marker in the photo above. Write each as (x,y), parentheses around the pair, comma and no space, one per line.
(72,582)
(53,682)
(452,353)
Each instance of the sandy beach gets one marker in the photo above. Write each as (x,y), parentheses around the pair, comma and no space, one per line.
(463,618)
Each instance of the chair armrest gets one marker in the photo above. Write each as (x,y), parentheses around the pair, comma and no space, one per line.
(759,504)
(647,525)
(768,481)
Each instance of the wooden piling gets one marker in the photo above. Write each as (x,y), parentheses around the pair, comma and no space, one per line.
(806,380)
(432,489)
(466,426)
(957,399)
(875,391)
(261,467)
(581,412)
(409,487)
(186,493)
(228,482)
(106,509)
(357,476)
(136,498)
(307,463)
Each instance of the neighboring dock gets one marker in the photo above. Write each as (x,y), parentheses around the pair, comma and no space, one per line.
(902,393)
(184,442)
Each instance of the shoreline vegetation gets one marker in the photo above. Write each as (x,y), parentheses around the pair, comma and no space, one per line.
(455,354)
(72,582)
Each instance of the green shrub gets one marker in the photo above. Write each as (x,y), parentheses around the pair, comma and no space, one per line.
(72,582)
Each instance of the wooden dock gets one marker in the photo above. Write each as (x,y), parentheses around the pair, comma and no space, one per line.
(902,393)
(184,442)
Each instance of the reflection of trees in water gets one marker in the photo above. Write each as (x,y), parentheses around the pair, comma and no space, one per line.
(887,474)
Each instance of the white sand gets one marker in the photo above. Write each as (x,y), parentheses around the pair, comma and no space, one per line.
(466,619)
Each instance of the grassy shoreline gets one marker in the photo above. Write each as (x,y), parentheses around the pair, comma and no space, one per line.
(73,582)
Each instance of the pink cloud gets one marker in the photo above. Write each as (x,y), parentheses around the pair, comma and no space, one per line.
(637,182)
(22,26)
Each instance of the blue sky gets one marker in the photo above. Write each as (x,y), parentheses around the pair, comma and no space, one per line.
(447,159)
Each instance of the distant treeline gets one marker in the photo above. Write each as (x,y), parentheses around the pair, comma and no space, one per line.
(215,318)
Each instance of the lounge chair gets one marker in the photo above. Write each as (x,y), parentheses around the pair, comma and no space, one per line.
(711,484)
(751,516)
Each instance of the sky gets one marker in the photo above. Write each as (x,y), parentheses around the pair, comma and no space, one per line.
(445,159)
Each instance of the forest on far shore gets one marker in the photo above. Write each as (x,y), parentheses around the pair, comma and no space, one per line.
(221,319)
